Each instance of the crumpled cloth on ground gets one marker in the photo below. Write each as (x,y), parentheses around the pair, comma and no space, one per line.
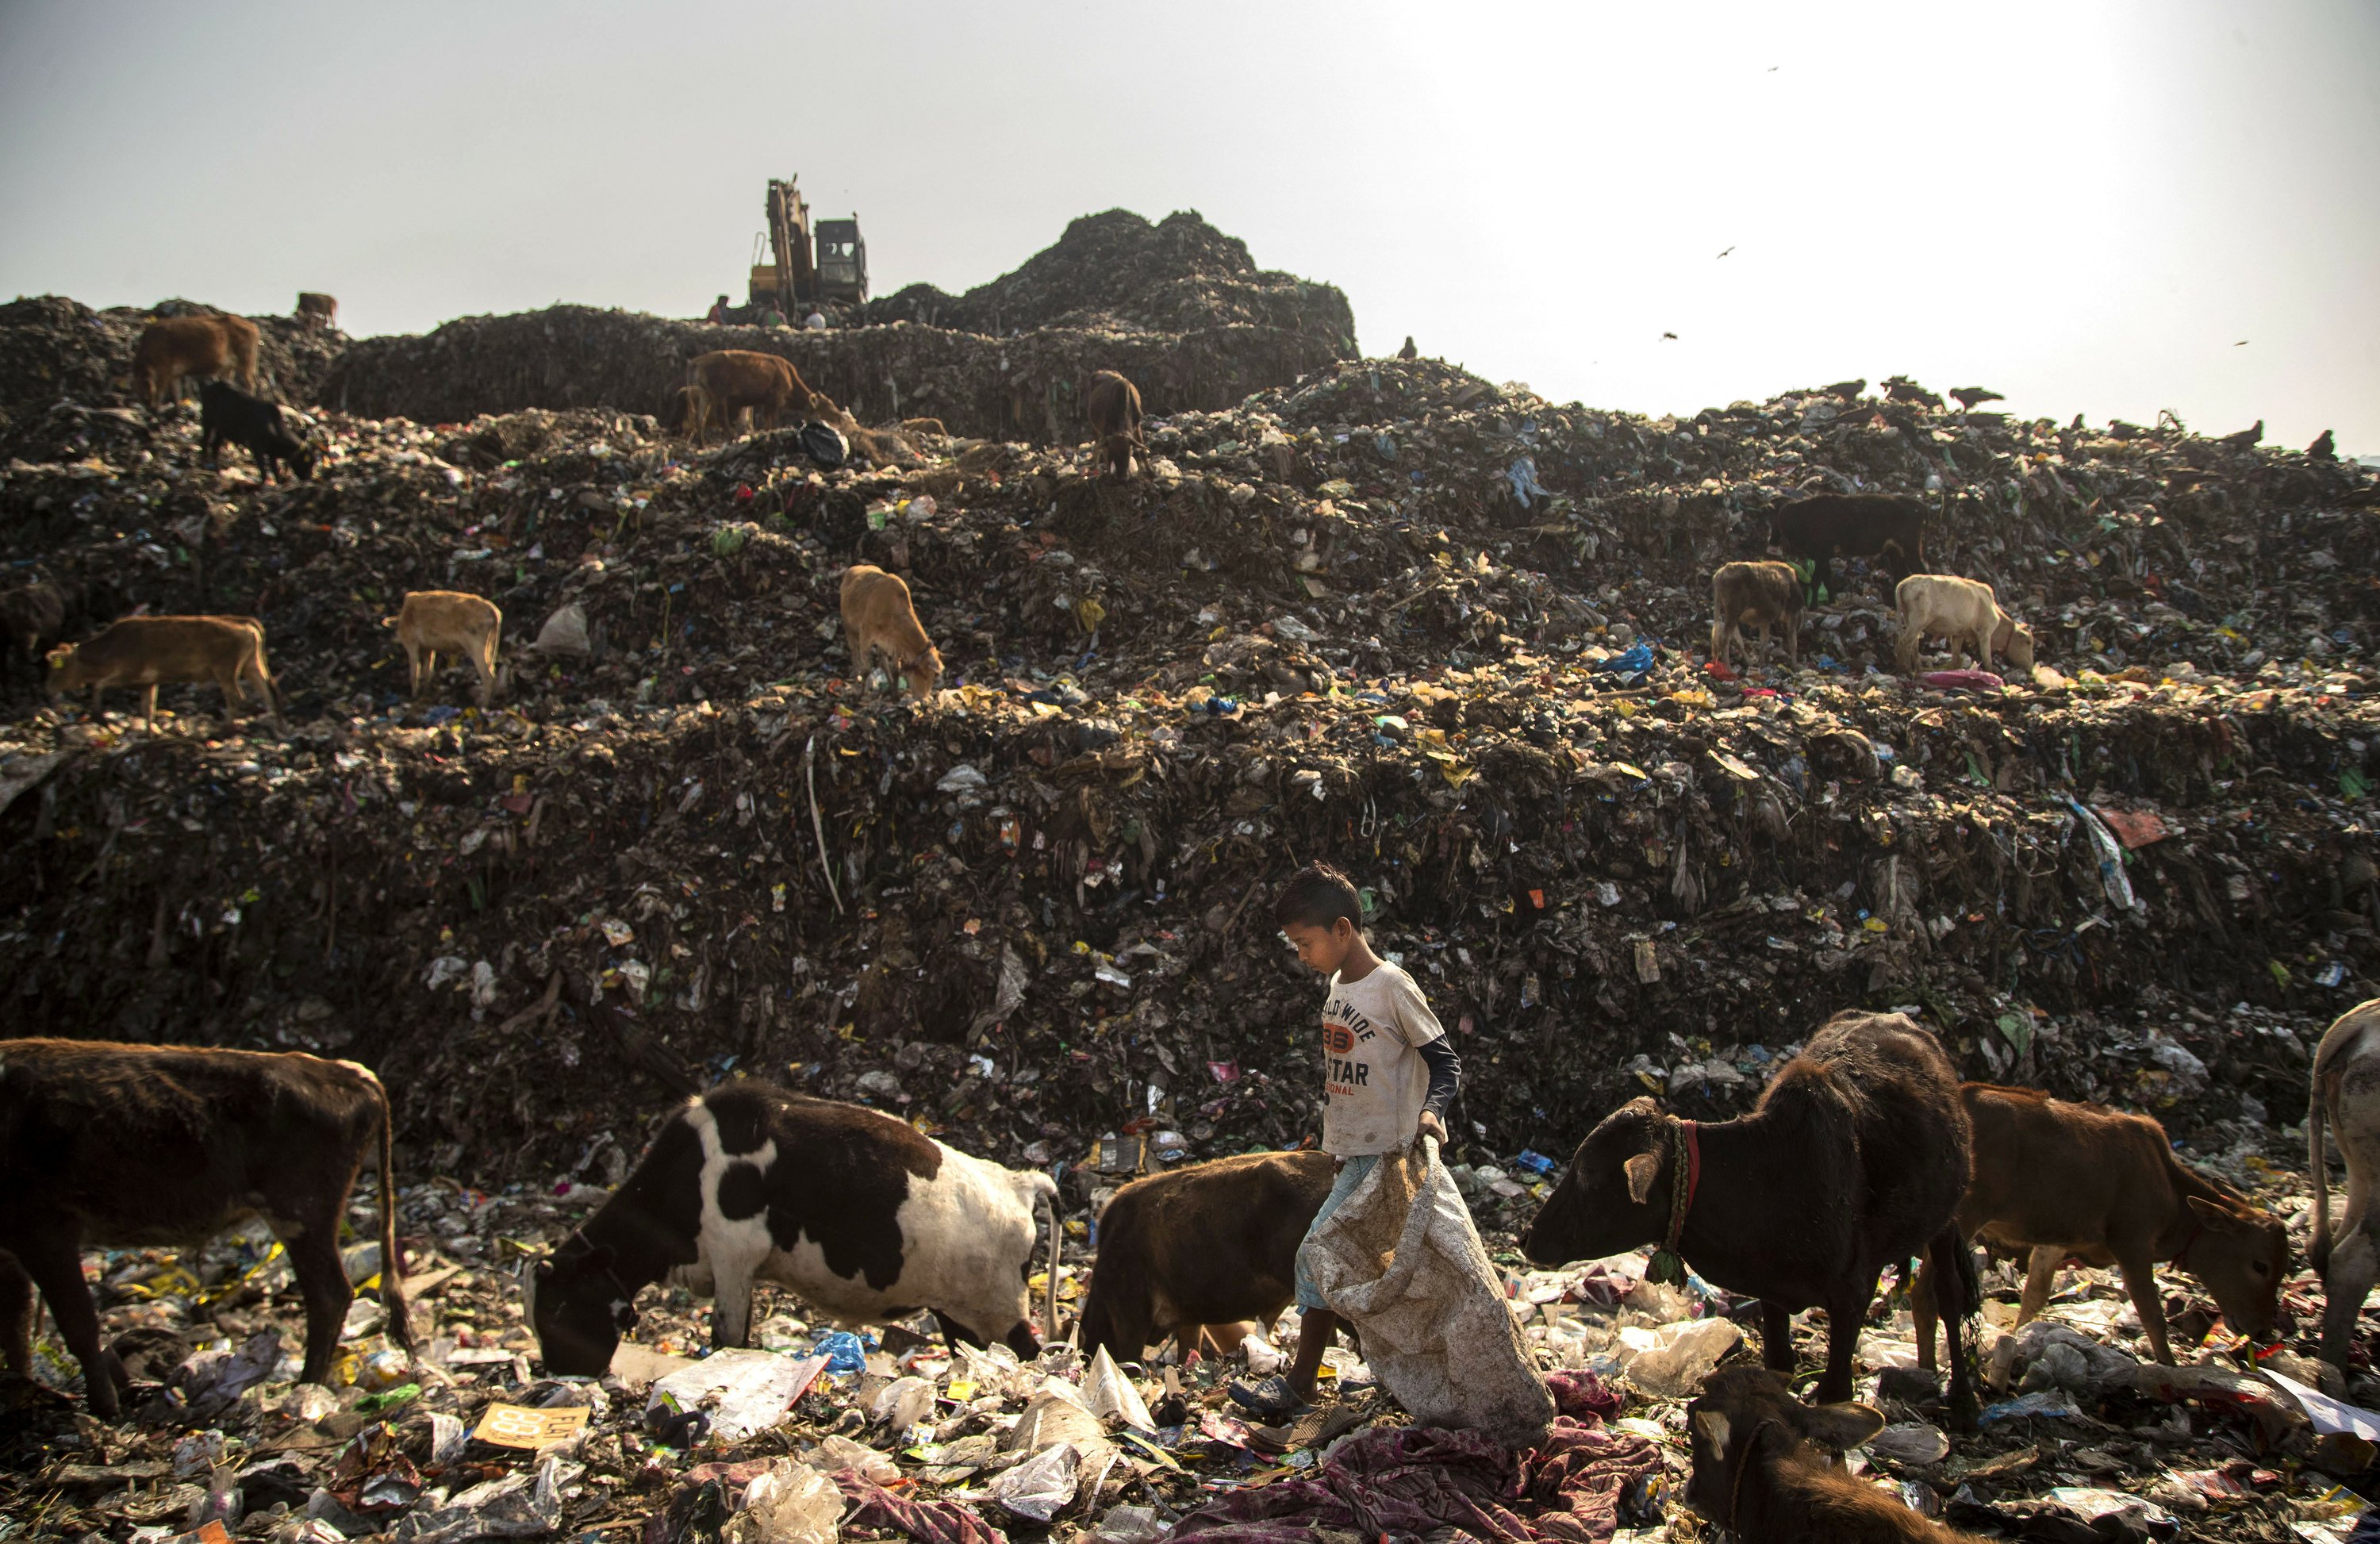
(1401,1261)
(928,1522)
(1409,1480)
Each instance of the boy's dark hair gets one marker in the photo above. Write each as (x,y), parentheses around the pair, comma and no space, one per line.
(1316,896)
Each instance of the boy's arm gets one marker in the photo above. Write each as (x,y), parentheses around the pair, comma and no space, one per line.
(1445,1078)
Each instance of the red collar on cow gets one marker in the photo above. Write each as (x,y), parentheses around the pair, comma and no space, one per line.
(2197,1228)
(1685,1179)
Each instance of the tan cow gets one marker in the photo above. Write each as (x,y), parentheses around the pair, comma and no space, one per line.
(206,346)
(880,623)
(736,378)
(1966,613)
(449,622)
(319,312)
(1761,595)
(1113,404)
(151,650)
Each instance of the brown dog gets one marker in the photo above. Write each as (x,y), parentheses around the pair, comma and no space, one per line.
(880,623)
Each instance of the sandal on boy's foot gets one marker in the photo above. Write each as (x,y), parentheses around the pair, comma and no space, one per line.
(1267,1397)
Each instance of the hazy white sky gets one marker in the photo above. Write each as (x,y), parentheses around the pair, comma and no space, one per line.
(2083,206)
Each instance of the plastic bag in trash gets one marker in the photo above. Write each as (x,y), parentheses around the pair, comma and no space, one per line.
(214,1380)
(1108,1392)
(836,1452)
(1130,1524)
(517,1506)
(1037,1487)
(903,1402)
(824,443)
(844,1351)
(1401,1260)
(1637,659)
(788,1504)
(1910,1442)
(741,1391)
(1672,1361)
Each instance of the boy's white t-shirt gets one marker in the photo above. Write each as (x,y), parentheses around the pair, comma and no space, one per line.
(1374,1079)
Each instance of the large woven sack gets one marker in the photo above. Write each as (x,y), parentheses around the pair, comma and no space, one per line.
(1401,1260)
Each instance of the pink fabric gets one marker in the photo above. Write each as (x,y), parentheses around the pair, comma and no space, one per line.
(928,1522)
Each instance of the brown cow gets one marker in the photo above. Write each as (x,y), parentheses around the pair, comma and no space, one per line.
(2060,1178)
(319,312)
(435,622)
(31,614)
(879,622)
(150,650)
(207,346)
(1202,1245)
(138,1146)
(1790,1204)
(736,378)
(1756,595)
(1760,1474)
(1112,405)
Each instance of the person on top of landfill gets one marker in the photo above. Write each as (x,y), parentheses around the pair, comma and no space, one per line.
(1389,1073)
(718,311)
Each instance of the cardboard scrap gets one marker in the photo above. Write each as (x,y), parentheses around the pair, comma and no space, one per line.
(519,1426)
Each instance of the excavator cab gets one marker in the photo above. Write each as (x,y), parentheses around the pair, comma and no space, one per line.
(842,260)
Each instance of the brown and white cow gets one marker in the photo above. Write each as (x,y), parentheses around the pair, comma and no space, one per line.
(208,348)
(132,1146)
(1762,595)
(861,1214)
(1207,1245)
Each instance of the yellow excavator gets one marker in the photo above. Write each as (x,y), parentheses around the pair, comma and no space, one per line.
(825,262)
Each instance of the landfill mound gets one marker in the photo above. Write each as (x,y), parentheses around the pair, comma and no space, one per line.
(61,361)
(1027,387)
(1391,614)
(1117,272)
(1437,630)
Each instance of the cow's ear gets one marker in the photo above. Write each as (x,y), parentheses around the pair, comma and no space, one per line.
(1712,1425)
(1641,1170)
(1840,1427)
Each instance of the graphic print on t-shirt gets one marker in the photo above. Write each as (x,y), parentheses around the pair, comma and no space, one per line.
(1372,1081)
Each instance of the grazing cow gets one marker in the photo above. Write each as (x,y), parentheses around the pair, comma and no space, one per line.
(2056,1178)
(880,624)
(227,413)
(1202,1245)
(736,378)
(858,1212)
(150,650)
(1861,525)
(688,411)
(1756,595)
(449,622)
(1113,404)
(2346,1099)
(31,614)
(136,1146)
(319,312)
(1855,1156)
(1760,1473)
(1966,613)
(206,346)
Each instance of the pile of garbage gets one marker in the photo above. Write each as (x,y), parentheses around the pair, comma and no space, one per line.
(1115,272)
(816,1433)
(61,361)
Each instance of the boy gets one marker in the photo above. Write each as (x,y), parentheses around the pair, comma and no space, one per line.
(1389,1073)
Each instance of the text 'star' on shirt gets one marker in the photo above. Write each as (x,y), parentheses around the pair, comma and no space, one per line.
(1372,1078)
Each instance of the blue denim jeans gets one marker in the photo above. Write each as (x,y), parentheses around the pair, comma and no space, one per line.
(1349,1176)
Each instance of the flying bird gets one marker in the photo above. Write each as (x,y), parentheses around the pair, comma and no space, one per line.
(2325,448)
(1671,336)
(1968,397)
(1730,250)
(2241,343)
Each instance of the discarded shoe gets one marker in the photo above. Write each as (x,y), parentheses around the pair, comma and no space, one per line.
(1268,1397)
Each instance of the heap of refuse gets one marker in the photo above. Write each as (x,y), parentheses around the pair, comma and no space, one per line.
(1116,272)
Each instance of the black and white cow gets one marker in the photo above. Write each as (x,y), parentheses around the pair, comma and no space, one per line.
(864,1217)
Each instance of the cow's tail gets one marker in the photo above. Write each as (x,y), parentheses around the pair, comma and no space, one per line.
(1048,1188)
(2318,1165)
(391,1266)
